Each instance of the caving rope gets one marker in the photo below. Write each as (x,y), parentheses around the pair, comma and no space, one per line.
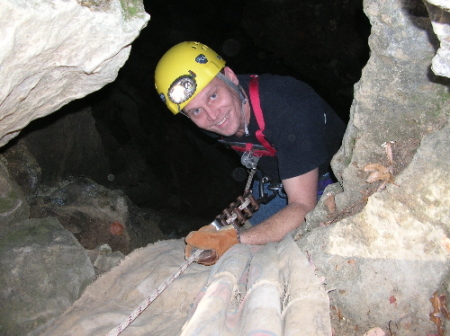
(236,214)
(125,323)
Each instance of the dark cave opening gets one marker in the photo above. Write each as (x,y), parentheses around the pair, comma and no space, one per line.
(163,162)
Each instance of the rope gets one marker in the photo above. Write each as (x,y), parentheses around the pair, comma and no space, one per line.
(125,323)
(249,180)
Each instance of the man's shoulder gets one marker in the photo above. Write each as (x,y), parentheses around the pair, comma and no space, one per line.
(267,79)
(284,85)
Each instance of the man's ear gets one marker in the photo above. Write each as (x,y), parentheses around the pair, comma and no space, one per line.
(231,75)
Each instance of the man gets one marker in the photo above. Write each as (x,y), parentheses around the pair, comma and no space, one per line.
(300,128)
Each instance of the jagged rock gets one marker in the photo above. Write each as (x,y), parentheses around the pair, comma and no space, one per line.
(23,168)
(386,259)
(56,52)
(103,258)
(397,98)
(13,205)
(68,145)
(97,215)
(385,263)
(43,271)
(440,19)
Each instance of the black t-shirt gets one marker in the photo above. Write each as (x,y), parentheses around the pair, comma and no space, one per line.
(300,125)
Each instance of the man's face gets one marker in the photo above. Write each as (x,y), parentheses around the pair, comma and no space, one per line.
(217,108)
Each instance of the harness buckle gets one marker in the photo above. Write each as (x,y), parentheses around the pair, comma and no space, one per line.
(275,187)
(249,160)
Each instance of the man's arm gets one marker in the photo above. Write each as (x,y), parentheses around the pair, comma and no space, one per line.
(302,198)
(301,192)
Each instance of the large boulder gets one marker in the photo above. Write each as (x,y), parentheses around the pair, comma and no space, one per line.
(385,263)
(43,271)
(68,145)
(55,52)
(13,205)
(381,237)
(97,215)
(397,99)
(439,15)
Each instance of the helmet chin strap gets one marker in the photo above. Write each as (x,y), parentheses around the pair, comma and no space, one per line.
(240,92)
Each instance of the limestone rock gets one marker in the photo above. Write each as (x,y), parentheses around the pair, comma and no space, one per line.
(13,205)
(68,146)
(440,19)
(23,168)
(386,259)
(43,271)
(397,99)
(386,262)
(103,258)
(53,52)
(97,215)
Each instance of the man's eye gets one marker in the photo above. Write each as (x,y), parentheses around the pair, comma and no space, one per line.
(195,112)
(214,95)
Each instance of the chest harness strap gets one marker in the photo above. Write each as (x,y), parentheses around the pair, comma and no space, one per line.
(255,102)
(253,152)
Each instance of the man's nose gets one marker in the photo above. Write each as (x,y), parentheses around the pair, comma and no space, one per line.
(211,113)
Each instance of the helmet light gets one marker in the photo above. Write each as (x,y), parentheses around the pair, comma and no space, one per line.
(182,89)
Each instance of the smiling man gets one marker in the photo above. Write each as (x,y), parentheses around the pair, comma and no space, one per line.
(301,134)
(218,108)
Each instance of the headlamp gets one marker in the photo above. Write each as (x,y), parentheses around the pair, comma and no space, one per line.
(182,89)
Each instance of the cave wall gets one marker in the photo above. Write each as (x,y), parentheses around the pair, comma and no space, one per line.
(398,98)
(45,63)
(380,237)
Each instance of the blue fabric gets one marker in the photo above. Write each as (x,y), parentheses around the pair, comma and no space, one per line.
(278,203)
(324,180)
(266,210)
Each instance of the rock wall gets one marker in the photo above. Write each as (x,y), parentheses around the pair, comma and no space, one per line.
(439,15)
(382,240)
(397,99)
(53,52)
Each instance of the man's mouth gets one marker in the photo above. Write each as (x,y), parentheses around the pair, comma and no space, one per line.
(222,121)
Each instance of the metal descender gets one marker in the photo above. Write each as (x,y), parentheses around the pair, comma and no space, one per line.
(237,212)
(243,208)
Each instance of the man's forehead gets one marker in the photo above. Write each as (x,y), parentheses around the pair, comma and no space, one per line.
(213,85)
(216,81)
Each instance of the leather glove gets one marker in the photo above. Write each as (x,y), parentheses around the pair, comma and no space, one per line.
(214,242)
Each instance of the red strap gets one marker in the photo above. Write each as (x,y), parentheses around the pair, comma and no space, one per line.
(254,98)
(256,152)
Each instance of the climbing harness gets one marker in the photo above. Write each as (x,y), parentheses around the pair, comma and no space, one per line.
(122,326)
(249,149)
(275,187)
(254,99)
(253,152)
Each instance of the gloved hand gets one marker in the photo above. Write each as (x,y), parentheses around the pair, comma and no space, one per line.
(214,242)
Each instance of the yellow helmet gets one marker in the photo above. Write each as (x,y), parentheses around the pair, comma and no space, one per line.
(185,70)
